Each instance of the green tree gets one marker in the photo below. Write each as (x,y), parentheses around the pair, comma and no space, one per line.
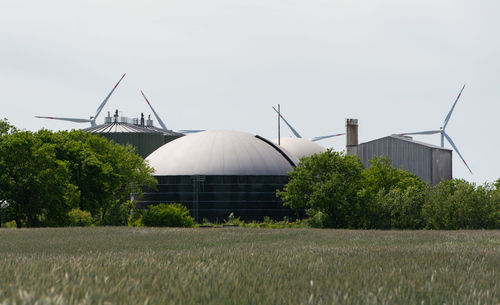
(458,204)
(34,182)
(45,174)
(400,208)
(327,186)
(105,173)
(6,128)
(393,197)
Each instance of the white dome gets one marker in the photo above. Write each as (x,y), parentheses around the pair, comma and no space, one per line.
(300,147)
(221,153)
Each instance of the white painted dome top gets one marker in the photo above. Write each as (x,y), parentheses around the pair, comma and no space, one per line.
(300,147)
(218,152)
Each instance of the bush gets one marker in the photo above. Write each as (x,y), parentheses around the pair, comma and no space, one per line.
(135,219)
(79,218)
(168,215)
(118,214)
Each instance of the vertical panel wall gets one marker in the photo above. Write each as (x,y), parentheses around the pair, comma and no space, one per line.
(215,197)
(431,164)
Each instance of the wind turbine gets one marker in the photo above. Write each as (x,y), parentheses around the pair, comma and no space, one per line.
(299,136)
(163,126)
(442,131)
(92,119)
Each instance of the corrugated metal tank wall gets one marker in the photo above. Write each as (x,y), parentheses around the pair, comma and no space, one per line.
(144,143)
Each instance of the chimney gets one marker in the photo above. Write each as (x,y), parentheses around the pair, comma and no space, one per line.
(142,119)
(351,128)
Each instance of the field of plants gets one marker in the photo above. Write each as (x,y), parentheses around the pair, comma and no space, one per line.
(124,265)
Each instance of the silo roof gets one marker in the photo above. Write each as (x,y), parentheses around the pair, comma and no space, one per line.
(300,147)
(221,152)
(165,132)
(119,127)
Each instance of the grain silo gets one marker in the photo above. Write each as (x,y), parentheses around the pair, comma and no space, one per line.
(216,173)
(139,133)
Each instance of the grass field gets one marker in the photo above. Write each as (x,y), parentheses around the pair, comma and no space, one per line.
(248,266)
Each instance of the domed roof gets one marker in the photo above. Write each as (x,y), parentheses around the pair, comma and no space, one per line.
(300,147)
(221,153)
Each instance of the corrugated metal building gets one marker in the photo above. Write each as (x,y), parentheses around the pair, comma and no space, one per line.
(431,163)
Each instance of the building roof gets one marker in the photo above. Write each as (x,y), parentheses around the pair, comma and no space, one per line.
(221,152)
(409,140)
(300,147)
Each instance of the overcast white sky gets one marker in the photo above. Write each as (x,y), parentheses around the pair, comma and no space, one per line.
(395,65)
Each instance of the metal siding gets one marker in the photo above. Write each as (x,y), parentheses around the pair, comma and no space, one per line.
(413,157)
(144,143)
(442,165)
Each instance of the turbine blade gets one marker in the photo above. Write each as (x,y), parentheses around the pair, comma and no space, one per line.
(328,136)
(289,126)
(420,132)
(452,108)
(154,112)
(107,98)
(456,149)
(76,120)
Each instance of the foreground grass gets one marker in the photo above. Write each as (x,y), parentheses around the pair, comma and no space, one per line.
(248,266)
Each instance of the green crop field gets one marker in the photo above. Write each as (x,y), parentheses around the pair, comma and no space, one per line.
(112,265)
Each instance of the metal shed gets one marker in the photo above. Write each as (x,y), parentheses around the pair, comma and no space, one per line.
(431,163)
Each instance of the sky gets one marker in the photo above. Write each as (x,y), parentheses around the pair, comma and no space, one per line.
(395,65)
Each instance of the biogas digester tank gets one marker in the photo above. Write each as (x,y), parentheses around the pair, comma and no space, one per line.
(216,173)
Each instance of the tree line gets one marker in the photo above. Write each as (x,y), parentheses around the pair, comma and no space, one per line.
(337,192)
(45,175)
(77,178)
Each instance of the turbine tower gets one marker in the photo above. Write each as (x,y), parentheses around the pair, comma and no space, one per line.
(92,119)
(442,131)
(299,136)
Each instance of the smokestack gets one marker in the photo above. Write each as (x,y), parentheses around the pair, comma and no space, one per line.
(351,128)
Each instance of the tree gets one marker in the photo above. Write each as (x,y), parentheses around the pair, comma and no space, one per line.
(33,181)
(327,184)
(44,175)
(458,204)
(393,197)
(104,172)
